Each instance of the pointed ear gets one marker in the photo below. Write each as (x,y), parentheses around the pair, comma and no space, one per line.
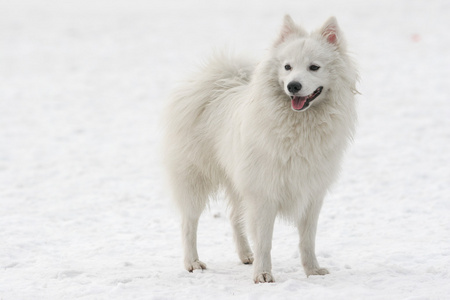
(289,28)
(331,32)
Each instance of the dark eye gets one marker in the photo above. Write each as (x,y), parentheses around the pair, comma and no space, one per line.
(287,67)
(314,67)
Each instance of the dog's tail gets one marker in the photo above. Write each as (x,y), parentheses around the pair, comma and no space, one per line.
(229,70)
(220,75)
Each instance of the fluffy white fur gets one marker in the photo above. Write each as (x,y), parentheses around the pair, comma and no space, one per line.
(232,126)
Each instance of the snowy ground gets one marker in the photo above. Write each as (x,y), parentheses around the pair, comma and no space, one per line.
(83,212)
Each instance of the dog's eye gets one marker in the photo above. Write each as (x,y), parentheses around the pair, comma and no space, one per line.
(287,67)
(314,67)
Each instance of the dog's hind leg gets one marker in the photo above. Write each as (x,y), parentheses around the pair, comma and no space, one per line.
(239,234)
(307,228)
(262,219)
(191,195)
(189,236)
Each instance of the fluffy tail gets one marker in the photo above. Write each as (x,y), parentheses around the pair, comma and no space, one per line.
(224,71)
(220,75)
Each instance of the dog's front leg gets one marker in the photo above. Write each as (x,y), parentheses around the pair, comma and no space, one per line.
(307,228)
(262,219)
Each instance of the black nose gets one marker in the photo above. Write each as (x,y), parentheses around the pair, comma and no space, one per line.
(294,87)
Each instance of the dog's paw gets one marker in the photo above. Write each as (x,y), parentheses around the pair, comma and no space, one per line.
(195,265)
(318,271)
(247,259)
(264,277)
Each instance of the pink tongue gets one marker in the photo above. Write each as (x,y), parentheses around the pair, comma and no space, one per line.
(298,102)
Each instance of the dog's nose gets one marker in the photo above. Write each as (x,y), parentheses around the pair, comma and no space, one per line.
(294,87)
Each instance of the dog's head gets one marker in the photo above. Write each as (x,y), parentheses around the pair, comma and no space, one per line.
(307,63)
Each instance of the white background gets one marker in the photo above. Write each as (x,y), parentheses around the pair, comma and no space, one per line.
(83,210)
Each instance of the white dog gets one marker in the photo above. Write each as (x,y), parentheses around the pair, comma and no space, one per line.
(271,134)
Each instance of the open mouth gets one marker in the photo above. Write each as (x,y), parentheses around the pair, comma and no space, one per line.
(301,103)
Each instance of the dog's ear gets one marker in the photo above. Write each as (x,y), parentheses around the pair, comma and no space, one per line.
(289,28)
(331,32)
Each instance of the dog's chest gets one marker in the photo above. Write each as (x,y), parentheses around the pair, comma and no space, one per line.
(308,141)
(305,158)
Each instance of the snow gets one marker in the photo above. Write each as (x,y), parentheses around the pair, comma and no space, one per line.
(83,208)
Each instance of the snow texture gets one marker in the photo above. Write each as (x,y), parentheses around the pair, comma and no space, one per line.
(83,209)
